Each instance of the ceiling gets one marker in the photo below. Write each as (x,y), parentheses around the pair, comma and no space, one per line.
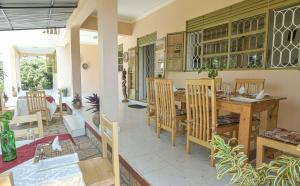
(132,10)
(35,14)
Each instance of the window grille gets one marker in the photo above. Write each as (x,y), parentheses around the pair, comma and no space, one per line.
(286,38)
(194,50)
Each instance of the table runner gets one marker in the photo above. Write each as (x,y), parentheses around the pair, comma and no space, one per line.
(26,152)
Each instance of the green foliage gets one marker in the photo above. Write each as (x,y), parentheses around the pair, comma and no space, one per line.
(6,116)
(212,69)
(35,72)
(232,161)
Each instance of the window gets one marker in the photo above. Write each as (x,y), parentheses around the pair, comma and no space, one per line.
(194,53)
(120,57)
(36,71)
(234,45)
(286,38)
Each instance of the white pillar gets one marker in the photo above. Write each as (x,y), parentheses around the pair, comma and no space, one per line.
(75,59)
(6,57)
(107,12)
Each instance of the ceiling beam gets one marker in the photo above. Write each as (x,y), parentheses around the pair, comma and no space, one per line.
(50,12)
(36,7)
(123,28)
(6,18)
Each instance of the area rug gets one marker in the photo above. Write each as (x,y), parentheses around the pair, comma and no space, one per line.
(135,106)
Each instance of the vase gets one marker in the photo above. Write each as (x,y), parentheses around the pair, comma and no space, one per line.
(96,119)
(77,105)
(8,144)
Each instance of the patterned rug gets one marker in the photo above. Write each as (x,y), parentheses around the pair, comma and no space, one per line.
(85,149)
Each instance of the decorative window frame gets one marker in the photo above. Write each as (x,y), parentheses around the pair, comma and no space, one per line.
(279,33)
(243,10)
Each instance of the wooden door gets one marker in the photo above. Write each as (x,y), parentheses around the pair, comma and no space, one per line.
(132,73)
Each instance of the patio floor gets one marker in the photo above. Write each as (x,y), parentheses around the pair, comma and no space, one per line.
(157,160)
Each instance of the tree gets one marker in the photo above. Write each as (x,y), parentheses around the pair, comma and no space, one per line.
(34,73)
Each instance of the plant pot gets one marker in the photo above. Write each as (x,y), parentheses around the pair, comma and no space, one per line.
(77,105)
(65,92)
(96,119)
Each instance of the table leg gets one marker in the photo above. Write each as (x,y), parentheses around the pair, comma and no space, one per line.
(273,117)
(245,129)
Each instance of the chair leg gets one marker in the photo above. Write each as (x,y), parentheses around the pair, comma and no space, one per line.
(260,153)
(149,120)
(188,146)
(212,160)
(158,131)
(174,137)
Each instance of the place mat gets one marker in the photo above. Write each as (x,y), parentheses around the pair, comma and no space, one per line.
(243,99)
(44,151)
(26,152)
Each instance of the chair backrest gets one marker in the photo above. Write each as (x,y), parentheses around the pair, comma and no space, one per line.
(36,101)
(165,103)
(150,90)
(109,131)
(252,86)
(201,109)
(6,179)
(28,119)
(218,82)
(60,102)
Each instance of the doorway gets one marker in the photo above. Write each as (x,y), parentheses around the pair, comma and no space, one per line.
(146,69)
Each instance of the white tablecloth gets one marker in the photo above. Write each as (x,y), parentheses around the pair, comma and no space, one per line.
(22,108)
(28,173)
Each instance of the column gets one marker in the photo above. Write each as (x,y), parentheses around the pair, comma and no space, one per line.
(107,41)
(75,59)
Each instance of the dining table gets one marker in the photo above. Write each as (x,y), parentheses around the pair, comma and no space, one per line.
(245,107)
(22,106)
(61,170)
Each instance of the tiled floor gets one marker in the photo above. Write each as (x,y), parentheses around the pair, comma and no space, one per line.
(156,160)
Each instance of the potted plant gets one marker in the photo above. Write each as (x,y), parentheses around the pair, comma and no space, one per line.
(94,102)
(212,69)
(77,102)
(284,170)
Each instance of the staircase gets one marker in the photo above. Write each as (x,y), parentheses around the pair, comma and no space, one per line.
(75,124)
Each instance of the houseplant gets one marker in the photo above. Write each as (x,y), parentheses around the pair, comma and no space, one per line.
(94,102)
(284,170)
(77,102)
(212,69)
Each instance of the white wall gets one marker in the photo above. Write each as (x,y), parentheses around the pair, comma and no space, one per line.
(90,79)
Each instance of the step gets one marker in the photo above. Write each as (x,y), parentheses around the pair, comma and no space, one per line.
(73,126)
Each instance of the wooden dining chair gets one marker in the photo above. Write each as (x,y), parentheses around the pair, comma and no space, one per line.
(150,99)
(36,102)
(279,139)
(60,104)
(100,171)
(252,86)
(37,117)
(218,82)
(167,117)
(6,179)
(202,114)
